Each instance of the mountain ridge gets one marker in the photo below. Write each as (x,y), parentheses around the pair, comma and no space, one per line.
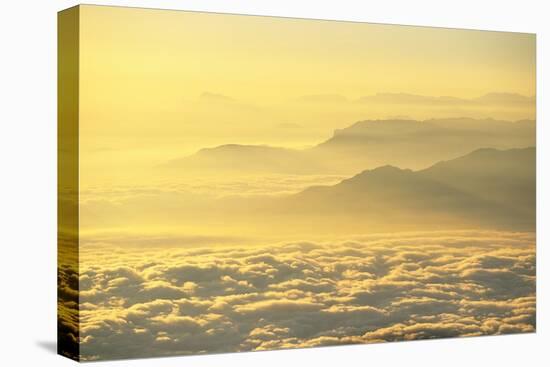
(501,197)
(404,143)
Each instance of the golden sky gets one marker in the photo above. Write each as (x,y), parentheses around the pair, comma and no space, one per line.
(157,85)
(172,260)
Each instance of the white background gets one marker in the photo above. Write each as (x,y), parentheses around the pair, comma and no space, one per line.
(28,182)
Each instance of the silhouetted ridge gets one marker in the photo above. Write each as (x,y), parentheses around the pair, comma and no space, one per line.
(366,144)
(487,187)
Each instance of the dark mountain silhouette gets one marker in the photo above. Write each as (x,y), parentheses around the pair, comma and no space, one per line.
(418,144)
(507,176)
(486,188)
(367,144)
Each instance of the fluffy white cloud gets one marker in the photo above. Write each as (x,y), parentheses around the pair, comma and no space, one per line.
(168,301)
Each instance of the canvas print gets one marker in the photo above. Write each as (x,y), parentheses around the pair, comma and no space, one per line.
(235,183)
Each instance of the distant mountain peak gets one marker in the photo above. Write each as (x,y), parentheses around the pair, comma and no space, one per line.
(488,187)
(388,168)
(506,96)
(383,172)
(496,151)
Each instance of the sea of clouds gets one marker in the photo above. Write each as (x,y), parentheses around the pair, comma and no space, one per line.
(157,301)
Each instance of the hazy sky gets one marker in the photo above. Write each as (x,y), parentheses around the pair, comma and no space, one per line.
(157,85)
(222,252)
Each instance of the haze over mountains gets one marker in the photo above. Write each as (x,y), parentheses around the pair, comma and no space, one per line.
(366,144)
(252,183)
(418,144)
(402,175)
(494,99)
(487,189)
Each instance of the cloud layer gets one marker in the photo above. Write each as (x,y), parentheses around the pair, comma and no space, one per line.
(147,302)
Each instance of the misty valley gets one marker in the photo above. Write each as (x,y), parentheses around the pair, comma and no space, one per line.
(490,184)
